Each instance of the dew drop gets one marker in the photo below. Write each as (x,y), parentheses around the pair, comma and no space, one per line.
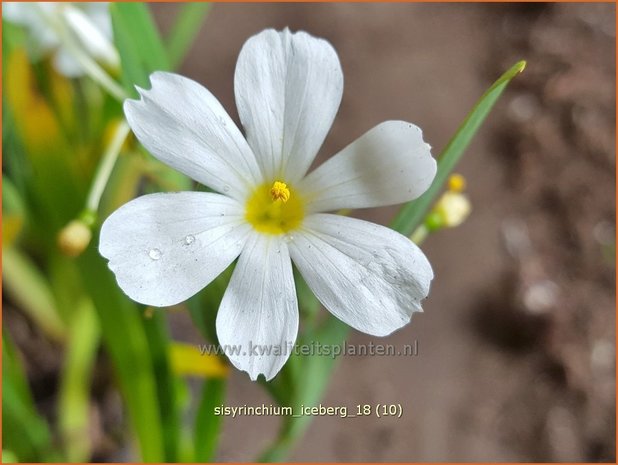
(221,120)
(288,238)
(189,239)
(226,188)
(154,254)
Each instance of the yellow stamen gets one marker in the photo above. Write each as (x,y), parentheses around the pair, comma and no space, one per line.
(456,183)
(280,191)
(275,209)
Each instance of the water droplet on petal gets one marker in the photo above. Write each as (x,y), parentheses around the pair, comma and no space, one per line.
(288,238)
(226,188)
(189,239)
(221,120)
(154,254)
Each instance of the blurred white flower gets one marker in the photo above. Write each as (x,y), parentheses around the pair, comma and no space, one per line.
(89,24)
(453,208)
(164,248)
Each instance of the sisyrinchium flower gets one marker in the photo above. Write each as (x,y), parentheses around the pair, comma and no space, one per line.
(88,24)
(268,211)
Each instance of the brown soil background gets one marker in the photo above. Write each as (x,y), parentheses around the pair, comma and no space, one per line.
(516,345)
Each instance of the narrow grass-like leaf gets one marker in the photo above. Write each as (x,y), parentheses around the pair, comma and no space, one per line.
(308,387)
(139,43)
(13,370)
(74,395)
(24,431)
(125,340)
(411,214)
(186,26)
(14,212)
(207,424)
(158,340)
(27,285)
(133,72)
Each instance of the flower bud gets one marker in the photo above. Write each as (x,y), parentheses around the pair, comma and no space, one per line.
(74,238)
(453,208)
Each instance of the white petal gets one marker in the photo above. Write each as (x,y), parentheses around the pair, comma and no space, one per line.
(389,164)
(368,276)
(288,88)
(32,16)
(164,248)
(183,125)
(66,65)
(99,14)
(94,39)
(257,322)
(19,12)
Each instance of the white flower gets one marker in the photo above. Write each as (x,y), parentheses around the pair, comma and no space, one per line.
(164,248)
(88,23)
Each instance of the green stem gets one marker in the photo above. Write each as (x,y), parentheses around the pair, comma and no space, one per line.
(106,166)
(420,234)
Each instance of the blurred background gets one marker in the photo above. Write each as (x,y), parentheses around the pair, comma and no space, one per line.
(516,352)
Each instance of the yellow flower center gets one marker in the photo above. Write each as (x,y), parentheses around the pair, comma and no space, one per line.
(275,209)
(280,191)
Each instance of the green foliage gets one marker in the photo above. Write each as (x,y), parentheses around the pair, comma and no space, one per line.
(24,431)
(76,378)
(126,342)
(188,22)
(139,44)
(207,425)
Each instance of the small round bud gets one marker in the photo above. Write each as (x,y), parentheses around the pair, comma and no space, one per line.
(434,221)
(454,208)
(74,238)
(456,183)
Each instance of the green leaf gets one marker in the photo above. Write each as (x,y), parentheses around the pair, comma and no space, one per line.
(139,43)
(9,456)
(307,388)
(24,432)
(126,342)
(186,26)
(411,215)
(141,53)
(29,288)
(207,424)
(13,371)
(75,384)
(158,340)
